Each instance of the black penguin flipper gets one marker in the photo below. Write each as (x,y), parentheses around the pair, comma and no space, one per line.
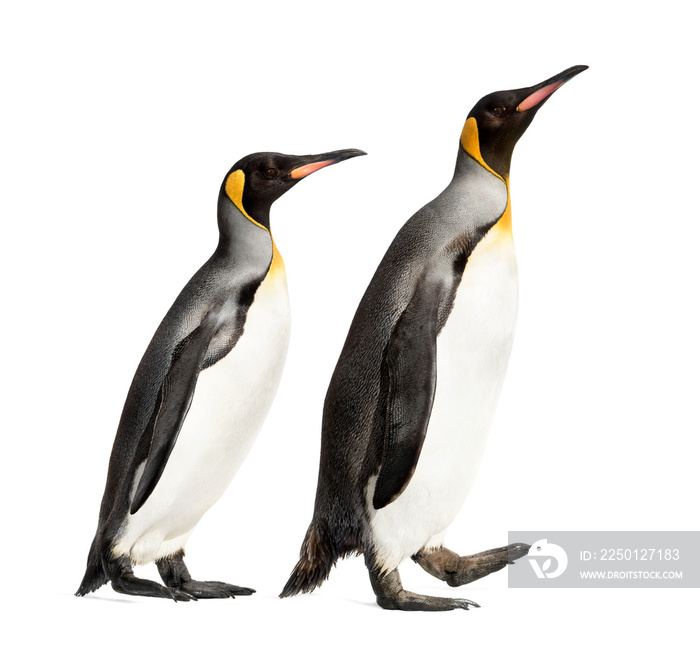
(175,400)
(412,367)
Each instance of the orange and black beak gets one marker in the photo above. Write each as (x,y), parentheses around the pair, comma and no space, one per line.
(311,163)
(535,96)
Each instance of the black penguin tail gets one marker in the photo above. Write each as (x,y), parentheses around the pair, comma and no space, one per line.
(317,558)
(95,576)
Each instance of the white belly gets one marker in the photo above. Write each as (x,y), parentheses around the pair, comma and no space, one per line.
(230,404)
(472,356)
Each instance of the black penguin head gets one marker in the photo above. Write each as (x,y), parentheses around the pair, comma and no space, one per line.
(497,121)
(257,180)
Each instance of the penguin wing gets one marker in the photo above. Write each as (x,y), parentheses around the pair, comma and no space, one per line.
(176,396)
(412,367)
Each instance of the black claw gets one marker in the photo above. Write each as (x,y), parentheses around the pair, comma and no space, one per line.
(465,603)
(517,551)
(181,595)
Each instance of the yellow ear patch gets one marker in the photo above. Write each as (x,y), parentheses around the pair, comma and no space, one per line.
(234,190)
(470,143)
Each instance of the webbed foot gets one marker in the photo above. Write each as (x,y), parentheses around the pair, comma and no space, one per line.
(458,570)
(175,575)
(392,596)
(122,578)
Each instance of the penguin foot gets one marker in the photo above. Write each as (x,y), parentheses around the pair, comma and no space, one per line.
(213,589)
(176,576)
(130,584)
(122,578)
(458,570)
(392,596)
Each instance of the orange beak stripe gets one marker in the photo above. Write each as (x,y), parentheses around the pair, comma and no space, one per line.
(538,96)
(307,169)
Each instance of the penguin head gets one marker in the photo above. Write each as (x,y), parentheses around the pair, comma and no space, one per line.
(257,180)
(497,121)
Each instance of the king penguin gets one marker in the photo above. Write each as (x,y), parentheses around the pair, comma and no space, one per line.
(411,400)
(201,391)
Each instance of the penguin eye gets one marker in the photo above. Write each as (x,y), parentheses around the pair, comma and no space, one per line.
(271,172)
(499,110)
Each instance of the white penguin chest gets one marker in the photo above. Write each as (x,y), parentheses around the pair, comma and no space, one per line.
(229,406)
(233,396)
(473,350)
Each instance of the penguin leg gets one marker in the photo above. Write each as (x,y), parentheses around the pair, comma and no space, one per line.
(457,570)
(122,578)
(175,575)
(392,596)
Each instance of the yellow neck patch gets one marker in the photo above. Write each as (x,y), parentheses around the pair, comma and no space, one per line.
(470,142)
(277,264)
(234,190)
(504,225)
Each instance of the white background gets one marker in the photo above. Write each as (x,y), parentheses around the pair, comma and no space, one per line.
(119,122)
